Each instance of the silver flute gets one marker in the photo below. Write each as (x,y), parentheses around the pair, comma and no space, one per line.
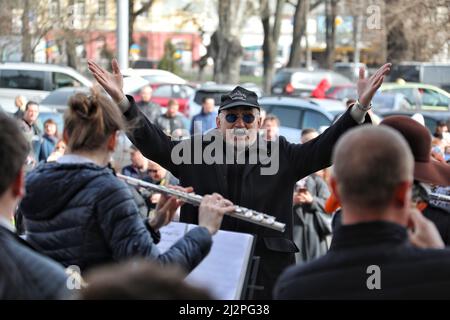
(242,213)
(439,197)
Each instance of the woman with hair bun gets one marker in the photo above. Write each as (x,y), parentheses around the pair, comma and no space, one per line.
(78,213)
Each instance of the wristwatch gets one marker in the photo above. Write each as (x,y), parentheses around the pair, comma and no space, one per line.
(361,107)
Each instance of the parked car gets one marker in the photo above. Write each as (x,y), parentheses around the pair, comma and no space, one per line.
(251,68)
(154,75)
(342,92)
(431,118)
(303,81)
(422,96)
(432,73)
(35,81)
(296,114)
(58,99)
(144,64)
(215,91)
(385,101)
(349,70)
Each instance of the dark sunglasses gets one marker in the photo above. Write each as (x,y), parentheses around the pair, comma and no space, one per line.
(247,118)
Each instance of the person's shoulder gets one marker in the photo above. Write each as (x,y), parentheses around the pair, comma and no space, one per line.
(128,169)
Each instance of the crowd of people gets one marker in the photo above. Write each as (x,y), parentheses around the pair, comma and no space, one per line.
(68,209)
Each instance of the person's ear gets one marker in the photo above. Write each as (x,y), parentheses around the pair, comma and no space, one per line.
(112,142)
(218,121)
(402,195)
(259,121)
(18,185)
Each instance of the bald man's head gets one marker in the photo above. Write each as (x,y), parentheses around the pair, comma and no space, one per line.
(370,163)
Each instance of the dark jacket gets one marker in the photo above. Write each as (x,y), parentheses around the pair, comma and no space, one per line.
(26,274)
(271,194)
(310,225)
(81,214)
(405,272)
(47,147)
(439,216)
(169,125)
(150,109)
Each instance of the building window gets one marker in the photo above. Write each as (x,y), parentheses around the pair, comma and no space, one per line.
(101,11)
(54,8)
(80,8)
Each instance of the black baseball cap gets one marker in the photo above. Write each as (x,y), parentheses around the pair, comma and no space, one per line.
(239,97)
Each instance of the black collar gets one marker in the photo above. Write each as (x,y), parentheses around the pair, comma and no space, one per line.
(368,234)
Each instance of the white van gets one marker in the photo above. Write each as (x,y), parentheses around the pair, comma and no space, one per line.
(35,81)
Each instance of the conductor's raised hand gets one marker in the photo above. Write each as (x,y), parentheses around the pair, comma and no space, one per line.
(111,82)
(211,211)
(368,86)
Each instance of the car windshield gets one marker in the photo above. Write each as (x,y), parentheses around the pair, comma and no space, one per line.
(383,101)
(342,93)
(217,95)
(282,76)
(60,98)
(410,73)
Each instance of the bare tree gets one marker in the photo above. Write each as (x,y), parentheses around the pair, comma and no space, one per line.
(225,47)
(35,25)
(271,25)
(416,30)
(302,9)
(133,14)
(330,37)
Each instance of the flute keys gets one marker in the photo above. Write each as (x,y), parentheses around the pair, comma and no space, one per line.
(258,217)
(248,213)
(269,220)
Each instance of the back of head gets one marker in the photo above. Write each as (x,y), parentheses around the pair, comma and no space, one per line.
(139,279)
(13,151)
(369,164)
(90,121)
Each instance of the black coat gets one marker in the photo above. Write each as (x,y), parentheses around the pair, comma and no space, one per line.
(271,194)
(25,274)
(406,272)
(81,214)
(439,216)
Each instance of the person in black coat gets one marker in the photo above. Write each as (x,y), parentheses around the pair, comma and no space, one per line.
(80,214)
(221,161)
(373,255)
(24,273)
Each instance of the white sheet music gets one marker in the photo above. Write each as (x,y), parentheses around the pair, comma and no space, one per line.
(224,269)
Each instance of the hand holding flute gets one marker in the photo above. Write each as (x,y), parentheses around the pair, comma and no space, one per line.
(211,211)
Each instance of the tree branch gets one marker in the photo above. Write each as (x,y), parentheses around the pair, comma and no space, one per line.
(315,4)
(144,8)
